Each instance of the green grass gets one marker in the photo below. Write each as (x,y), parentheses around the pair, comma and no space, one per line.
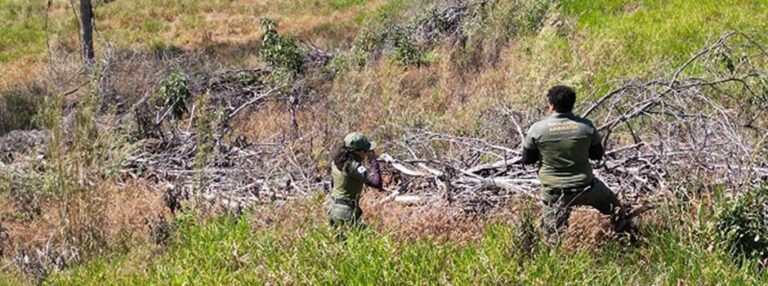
(612,40)
(623,36)
(133,24)
(343,4)
(628,37)
(324,6)
(21,29)
(231,251)
(385,14)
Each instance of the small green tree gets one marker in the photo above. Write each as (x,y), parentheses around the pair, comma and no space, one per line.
(174,91)
(280,51)
(406,52)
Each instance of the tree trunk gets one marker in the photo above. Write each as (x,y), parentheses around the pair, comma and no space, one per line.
(86,18)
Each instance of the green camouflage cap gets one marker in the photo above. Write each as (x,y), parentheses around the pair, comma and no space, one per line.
(358,141)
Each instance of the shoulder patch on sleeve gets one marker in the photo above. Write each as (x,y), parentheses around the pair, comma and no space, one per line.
(361,169)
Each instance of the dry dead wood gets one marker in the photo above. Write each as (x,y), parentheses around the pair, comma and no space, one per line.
(660,135)
(704,124)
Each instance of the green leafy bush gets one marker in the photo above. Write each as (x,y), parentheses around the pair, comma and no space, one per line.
(368,41)
(174,91)
(394,40)
(743,226)
(280,51)
(406,52)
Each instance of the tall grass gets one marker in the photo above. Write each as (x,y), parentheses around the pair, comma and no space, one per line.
(509,58)
(22,29)
(231,250)
(624,37)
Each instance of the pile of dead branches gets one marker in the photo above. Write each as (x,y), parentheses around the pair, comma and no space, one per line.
(19,141)
(704,122)
(660,135)
(237,172)
(238,175)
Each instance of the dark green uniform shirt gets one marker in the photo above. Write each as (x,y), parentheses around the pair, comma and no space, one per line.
(348,180)
(563,140)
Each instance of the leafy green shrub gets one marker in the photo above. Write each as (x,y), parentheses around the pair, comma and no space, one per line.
(371,42)
(406,52)
(18,107)
(743,226)
(174,91)
(367,41)
(280,51)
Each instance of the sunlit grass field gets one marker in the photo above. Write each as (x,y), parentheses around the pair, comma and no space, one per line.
(594,46)
(676,248)
(615,38)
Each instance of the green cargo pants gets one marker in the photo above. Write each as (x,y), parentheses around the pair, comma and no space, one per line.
(343,214)
(558,204)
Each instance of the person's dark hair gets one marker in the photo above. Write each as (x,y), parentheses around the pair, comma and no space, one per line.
(342,155)
(562,98)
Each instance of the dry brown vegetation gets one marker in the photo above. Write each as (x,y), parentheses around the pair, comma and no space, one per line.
(227,30)
(440,223)
(113,159)
(43,233)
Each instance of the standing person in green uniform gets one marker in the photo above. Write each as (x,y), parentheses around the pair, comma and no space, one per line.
(563,143)
(349,176)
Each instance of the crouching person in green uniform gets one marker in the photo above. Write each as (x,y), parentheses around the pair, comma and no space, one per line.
(349,176)
(563,143)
